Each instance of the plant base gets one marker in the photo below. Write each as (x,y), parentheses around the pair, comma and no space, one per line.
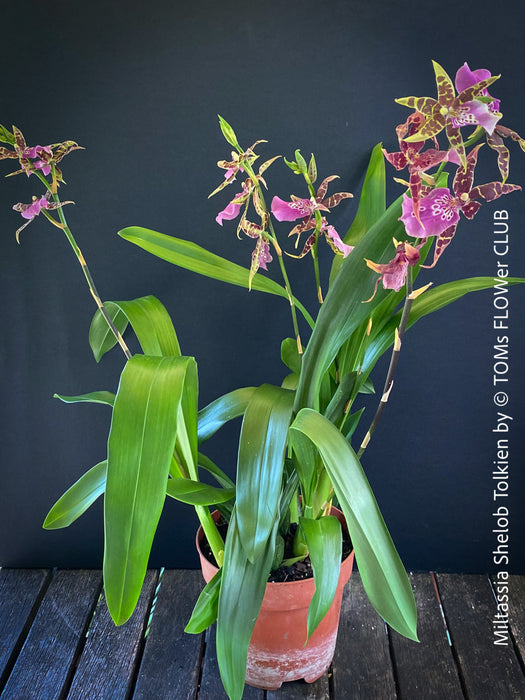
(277,651)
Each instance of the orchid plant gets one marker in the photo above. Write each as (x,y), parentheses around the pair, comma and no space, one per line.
(295,454)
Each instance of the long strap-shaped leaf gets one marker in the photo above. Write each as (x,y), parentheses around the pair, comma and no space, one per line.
(242,590)
(193,257)
(382,572)
(78,498)
(324,541)
(225,408)
(140,448)
(432,300)
(149,319)
(372,204)
(260,462)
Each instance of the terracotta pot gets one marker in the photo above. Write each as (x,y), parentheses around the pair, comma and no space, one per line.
(277,651)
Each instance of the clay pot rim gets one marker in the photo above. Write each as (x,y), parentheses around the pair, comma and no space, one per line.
(347,562)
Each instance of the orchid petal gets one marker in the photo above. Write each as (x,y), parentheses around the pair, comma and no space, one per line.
(290,211)
(438,211)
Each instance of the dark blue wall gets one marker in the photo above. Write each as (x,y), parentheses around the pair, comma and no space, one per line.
(140,86)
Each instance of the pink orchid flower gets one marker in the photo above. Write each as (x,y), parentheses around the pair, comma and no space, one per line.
(297,208)
(393,273)
(438,210)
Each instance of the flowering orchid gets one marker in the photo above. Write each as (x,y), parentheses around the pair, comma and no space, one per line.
(33,158)
(451,112)
(393,273)
(439,209)
(295,209)
(332,238)
(236,164)
(32,210)
(231,211)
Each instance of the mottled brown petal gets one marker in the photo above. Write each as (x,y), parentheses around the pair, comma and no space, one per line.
(6,153)
(267,164)
(19,139)
(496,143)
(250,229)
(433,125)
(335,199)
(442,242)
(321,192)
(493,190)
(464,177)
(424,105)
(445,86)
(471,92)
(307,247)
(456,141)
(398,159)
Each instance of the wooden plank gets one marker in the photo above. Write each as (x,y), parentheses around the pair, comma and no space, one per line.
(171,660)
(516,602)
(488,670)
(107,665)
(362,667)
(20,593)
(300,690)
(211,684)
(46,660)
(426,669)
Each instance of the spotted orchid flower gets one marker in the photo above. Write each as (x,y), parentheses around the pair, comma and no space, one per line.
(410,156)
(393,274)
(332,238)
(450,111)
(296,208)
(231,211)
(261,255)
(32,210)
(439,209)
(236,165)
(33,158)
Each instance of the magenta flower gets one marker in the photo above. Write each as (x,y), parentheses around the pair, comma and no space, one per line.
(332,238)
(295,209)
(30,211)
(438,210)
(450,111)
(228,213)
(33,158)
(410,156)
(393,273)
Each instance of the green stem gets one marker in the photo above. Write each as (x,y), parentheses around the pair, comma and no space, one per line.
(394,359)
(273,238)
(85,269)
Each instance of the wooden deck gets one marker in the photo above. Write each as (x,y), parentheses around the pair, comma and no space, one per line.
(57,641)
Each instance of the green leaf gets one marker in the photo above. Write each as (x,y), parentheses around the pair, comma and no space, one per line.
(105,397)
(383,575)
(140,448)
(205,611)
(193,257)
(149,319)
(197,494)
(262,447)
(432,300)
(324,540)
(290,355)
(207,464)
(242,591)
(372,204)
(225,408)
(343,309)
(78,498)
(101,338)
